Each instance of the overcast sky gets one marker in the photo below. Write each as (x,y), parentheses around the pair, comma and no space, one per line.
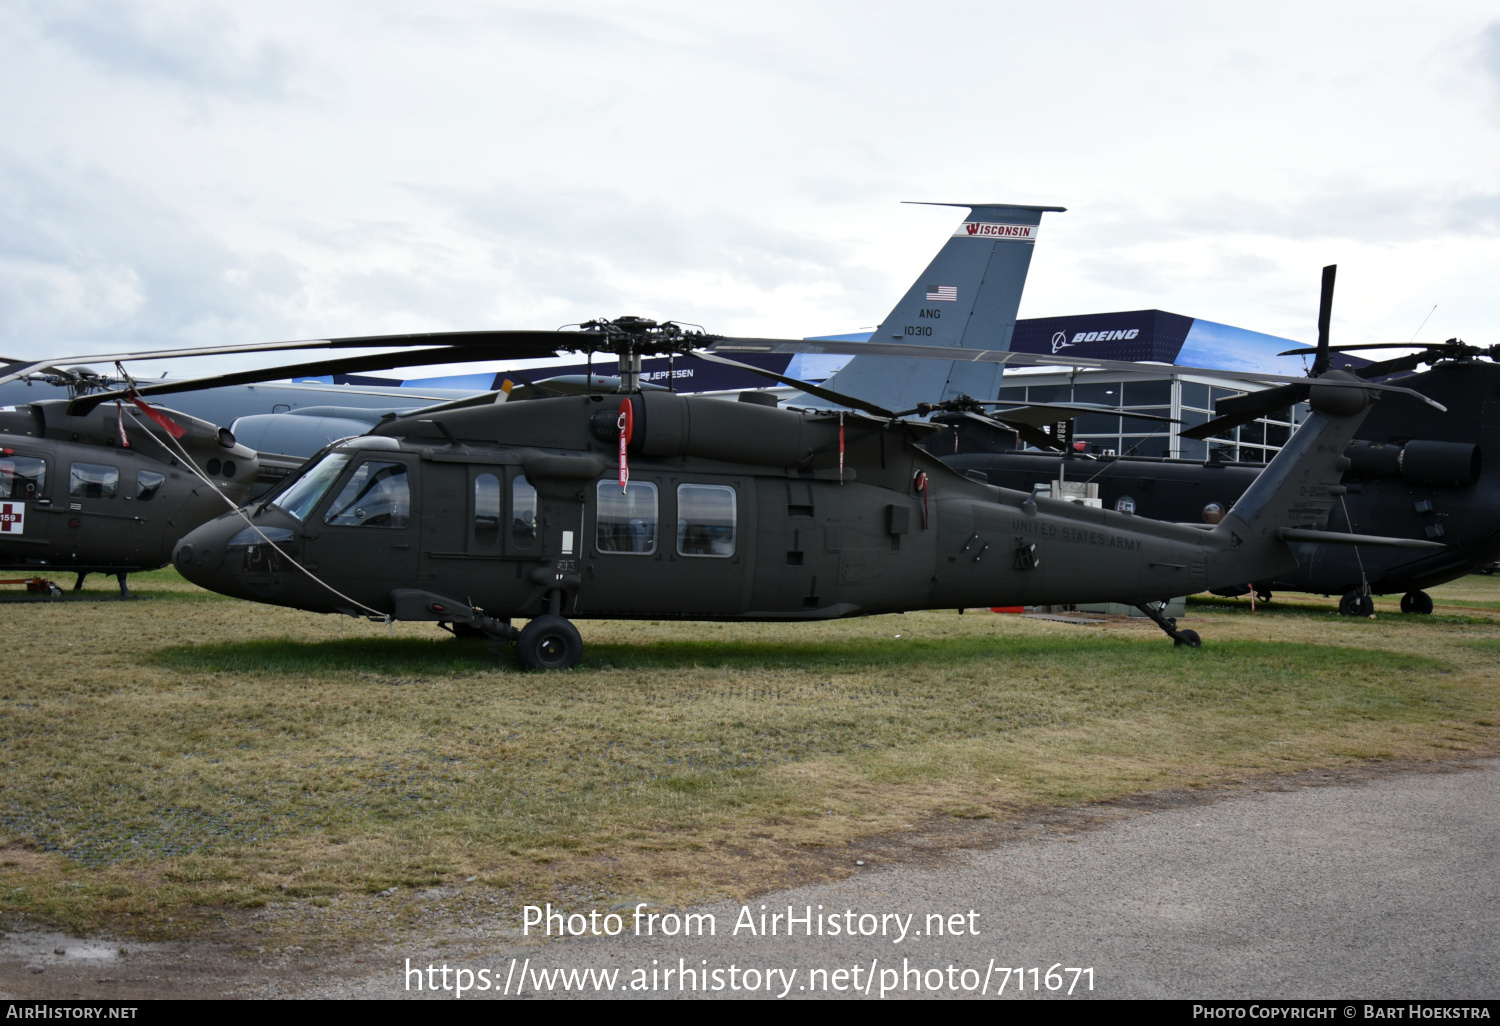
(199,173)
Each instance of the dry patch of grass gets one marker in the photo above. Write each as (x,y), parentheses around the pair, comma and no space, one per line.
(191,752)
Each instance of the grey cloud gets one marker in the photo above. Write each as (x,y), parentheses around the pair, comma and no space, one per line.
(1345,208)
(87,258)
(1489,51)
(198,45)
(585,232)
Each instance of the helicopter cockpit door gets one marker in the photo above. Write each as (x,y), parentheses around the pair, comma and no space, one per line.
(370,527)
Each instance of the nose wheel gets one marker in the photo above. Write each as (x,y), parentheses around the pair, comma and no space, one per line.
(549,643)
(1359,603)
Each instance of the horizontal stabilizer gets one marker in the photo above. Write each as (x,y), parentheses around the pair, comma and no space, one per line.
(1303,534)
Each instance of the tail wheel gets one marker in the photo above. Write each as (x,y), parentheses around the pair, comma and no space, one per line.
(1355,604)
(549,643)
(1187,638)
(1418,602)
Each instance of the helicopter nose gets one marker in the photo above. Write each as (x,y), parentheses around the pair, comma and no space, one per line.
(200,553)
(239,558)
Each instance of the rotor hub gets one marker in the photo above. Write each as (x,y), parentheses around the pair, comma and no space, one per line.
(631,338)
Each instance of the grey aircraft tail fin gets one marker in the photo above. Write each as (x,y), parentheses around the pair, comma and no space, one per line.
(1295,492)
(967,297)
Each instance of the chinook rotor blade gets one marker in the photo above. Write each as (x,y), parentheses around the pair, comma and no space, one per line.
(1242,409)
(1396,366)
(775,345)
(1077,409)
(1373,345)
(1325,314)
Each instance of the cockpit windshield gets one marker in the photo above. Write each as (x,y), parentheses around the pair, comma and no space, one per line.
(303,495)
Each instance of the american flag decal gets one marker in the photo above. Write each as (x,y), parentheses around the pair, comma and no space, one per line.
(942,293)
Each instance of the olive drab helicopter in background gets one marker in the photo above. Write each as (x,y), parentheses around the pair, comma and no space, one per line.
(1413,473)
(109,485)
(110,490)
(641,503)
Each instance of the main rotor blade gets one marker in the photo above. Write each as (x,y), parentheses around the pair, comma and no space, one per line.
(889,349)
(513,345)
(822,393)
(1325,313)
(339,365)
(1028,433)
(1242,409)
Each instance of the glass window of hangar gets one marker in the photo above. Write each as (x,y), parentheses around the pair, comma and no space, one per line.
(1191,402)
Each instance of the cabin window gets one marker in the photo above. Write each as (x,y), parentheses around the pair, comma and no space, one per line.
(308,490)
(376,496)
(522,512)
(22,477)
(147,483)
(626,522)
(486,509)
(705,520)
(93,481)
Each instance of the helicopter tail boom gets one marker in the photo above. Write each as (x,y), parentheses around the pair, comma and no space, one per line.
(1296,492)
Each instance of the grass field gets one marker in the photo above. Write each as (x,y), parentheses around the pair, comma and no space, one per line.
(189,752)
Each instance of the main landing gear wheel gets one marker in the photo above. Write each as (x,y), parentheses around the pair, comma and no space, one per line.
(1416,602)
(549,643)
(1263,596)
(1355,604)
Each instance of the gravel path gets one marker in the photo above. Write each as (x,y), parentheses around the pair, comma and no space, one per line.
(1384,888)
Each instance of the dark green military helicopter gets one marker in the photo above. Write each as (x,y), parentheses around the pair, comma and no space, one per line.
(109,490)
(107,483)
(653,504)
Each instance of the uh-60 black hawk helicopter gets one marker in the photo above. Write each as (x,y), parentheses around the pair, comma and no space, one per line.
(654,504)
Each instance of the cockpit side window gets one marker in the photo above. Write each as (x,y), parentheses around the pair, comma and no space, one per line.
(307,490)
(22,477)
(376,496)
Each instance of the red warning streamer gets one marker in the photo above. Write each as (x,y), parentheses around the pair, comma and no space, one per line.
(626,424)
(120,415)
(841,447)
(920,483)
(169,425)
